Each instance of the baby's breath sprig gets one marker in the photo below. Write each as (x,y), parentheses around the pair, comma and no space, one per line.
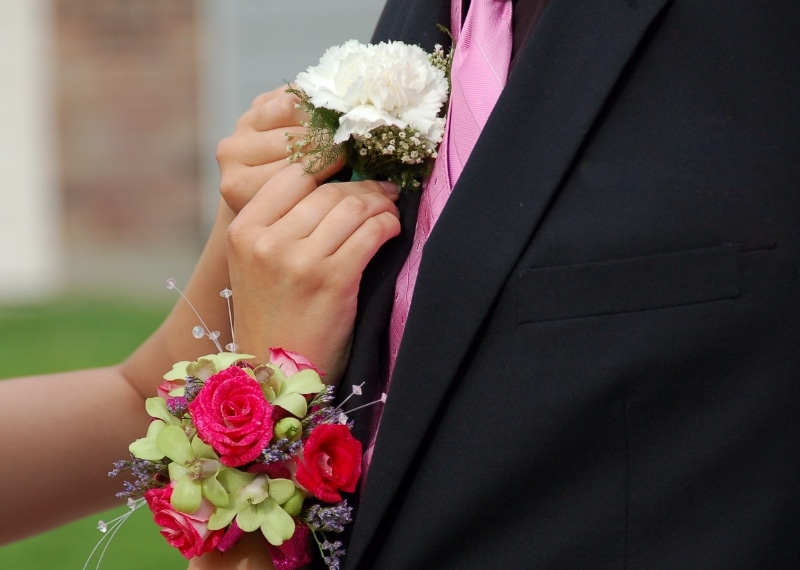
(316,145)
(443,59)
(402,156)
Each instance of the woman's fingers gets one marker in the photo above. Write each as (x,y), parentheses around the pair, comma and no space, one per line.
(253,148)
(290,217)
(296,253)
(285,190)
(366,240)
(273,110)
(259,147)
(345,218)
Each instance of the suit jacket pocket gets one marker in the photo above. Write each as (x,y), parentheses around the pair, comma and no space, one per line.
(626,285)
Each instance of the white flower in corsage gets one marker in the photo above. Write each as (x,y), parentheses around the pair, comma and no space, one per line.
(380,107)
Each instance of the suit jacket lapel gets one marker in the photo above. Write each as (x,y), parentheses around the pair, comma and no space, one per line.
(414,22)
(559,85)
(376,295)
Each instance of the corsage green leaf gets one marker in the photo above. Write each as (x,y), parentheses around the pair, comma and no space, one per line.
(202,449)
(147,447)
(289,427)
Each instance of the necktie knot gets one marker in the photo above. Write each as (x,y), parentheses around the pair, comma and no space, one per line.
(479,73)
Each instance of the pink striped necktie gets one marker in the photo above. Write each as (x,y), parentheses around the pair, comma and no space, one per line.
(478,75)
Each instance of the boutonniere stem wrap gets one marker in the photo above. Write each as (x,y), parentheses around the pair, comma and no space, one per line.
(379,107)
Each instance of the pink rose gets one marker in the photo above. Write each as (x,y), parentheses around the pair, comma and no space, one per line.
(188,533)
(291,362)
(331,462)
(168,386)
(232,416)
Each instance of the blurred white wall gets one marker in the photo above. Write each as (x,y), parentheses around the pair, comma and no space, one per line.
(29,205)
(256,45)
(248,46)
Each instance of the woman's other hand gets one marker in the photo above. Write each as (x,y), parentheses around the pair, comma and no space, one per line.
(258,148)
(296,253)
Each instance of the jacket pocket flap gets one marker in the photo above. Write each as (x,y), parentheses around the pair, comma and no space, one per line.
(626,285)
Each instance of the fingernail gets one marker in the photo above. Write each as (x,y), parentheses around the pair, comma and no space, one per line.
(389,187)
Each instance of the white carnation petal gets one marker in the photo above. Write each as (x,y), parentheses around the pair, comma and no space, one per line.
(390,83)
(362,119)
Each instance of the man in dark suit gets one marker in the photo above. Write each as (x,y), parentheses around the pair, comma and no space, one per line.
(600,367)
(600,364)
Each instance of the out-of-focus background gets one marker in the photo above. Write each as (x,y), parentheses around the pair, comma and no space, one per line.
(110,111)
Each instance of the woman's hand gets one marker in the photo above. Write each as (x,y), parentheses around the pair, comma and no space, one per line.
(296,253)
(258,147)
(253,154)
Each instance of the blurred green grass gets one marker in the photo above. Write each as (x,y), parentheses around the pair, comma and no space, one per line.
(67,334)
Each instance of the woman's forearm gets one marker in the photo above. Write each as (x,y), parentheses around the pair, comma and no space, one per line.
(173,341)
(61,432)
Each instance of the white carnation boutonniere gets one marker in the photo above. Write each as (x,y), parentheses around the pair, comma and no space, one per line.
(380,107)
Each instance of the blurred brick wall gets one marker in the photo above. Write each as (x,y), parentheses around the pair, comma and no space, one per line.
(126,82)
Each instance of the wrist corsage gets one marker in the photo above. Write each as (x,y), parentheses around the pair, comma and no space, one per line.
(379,107)
(235,447)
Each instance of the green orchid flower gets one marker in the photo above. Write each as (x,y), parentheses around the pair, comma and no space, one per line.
(147,447)
(257,502)
(205,366)
(289,392)
(195,469)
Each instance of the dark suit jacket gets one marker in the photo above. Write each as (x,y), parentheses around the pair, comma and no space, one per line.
(601,367)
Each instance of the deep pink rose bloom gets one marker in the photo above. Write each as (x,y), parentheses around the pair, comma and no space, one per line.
(272,470)
(331,462)
(232,416)
(291,362)
(188,533)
